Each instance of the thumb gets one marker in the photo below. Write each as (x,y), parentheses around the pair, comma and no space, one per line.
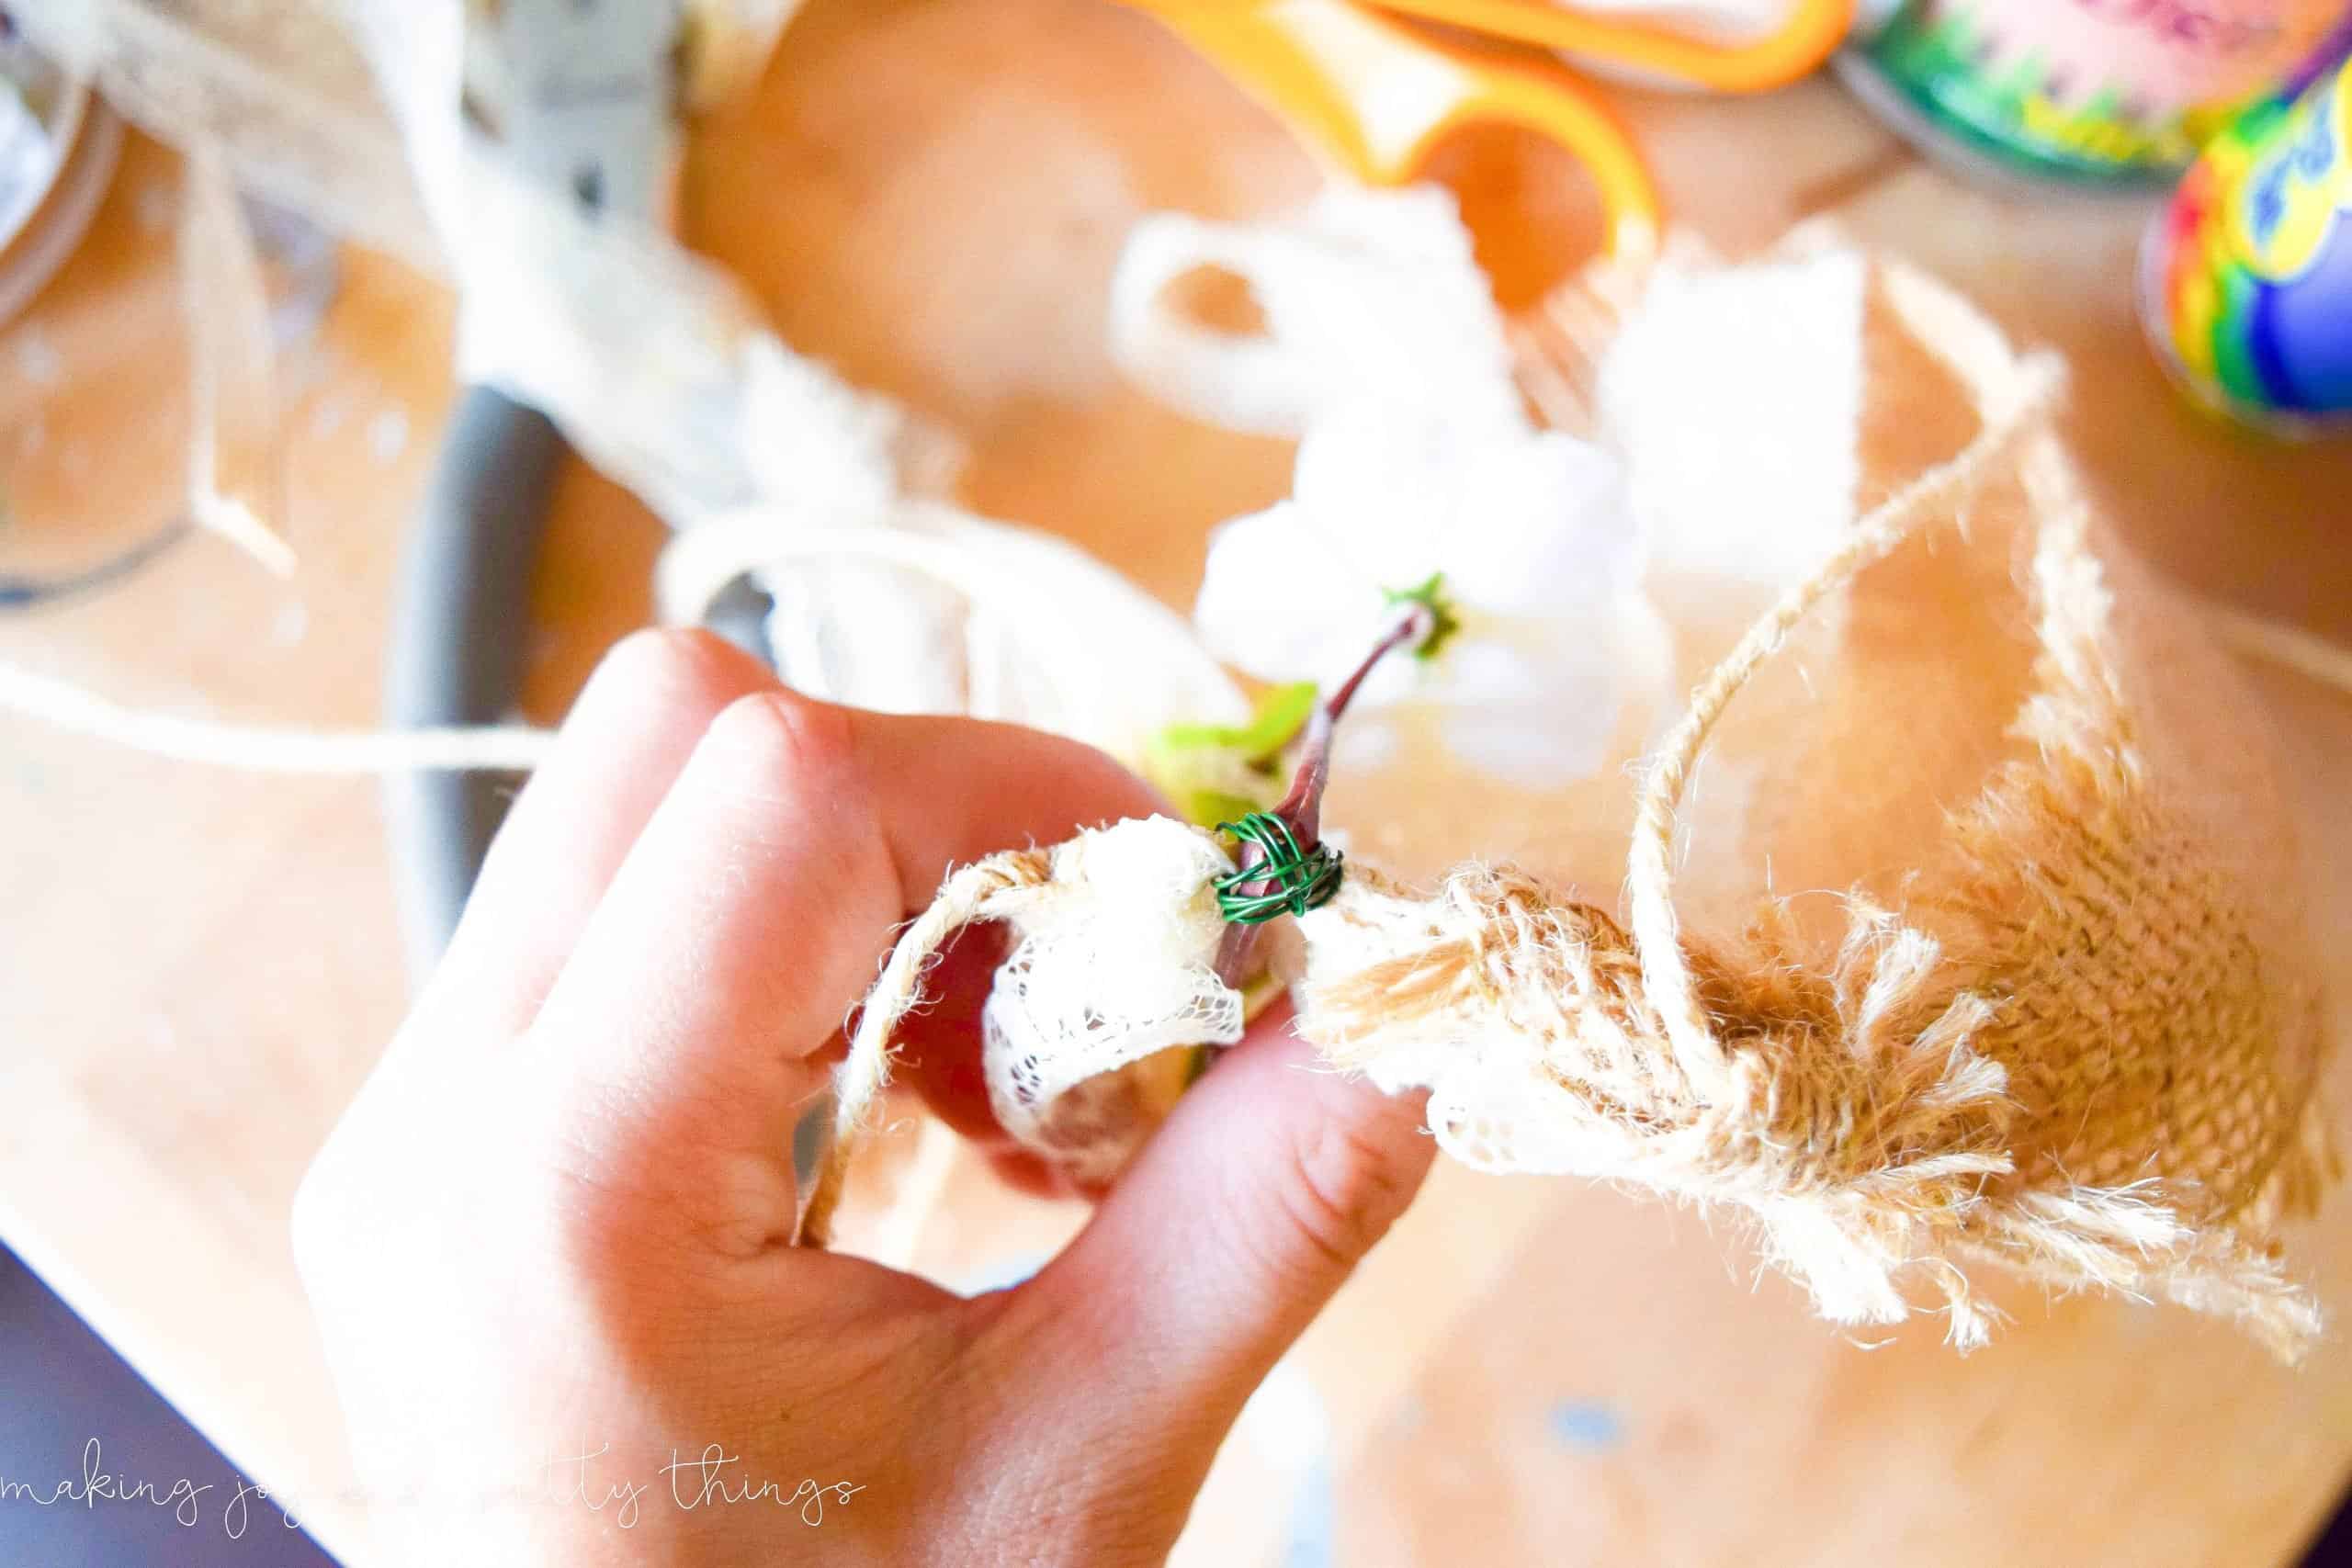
(1241,1219)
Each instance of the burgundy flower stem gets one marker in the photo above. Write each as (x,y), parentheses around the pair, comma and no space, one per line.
(1301,808)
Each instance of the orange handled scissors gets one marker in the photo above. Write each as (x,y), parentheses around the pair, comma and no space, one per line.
(1376,91)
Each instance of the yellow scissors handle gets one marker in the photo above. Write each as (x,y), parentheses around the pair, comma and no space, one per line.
(1376,94)
(1813,29)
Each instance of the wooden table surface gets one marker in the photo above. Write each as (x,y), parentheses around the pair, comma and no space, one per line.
(198,967)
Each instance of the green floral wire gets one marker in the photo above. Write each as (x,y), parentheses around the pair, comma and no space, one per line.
(1300,879)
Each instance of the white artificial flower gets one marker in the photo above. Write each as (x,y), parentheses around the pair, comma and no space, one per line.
(1540,561)
(1385,354)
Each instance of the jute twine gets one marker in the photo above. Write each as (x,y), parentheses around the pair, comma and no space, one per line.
(2097,1072)
(971,895)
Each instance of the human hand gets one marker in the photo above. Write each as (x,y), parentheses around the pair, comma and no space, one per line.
(554,1223)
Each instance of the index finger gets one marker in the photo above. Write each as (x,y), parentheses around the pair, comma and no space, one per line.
(754,913)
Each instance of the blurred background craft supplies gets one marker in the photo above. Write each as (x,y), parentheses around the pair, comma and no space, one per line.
(58,145)
(1725,46)
(2246,278)
(2086,90)
(1330,68)
(253,276)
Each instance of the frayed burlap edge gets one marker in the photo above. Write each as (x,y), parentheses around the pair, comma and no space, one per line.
(1922,1103)
(1889,1117)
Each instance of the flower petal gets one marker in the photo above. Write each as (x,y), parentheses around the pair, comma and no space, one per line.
(1537,709)
(1543,528)
(1277,601)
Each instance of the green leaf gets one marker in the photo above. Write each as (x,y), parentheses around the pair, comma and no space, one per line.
(1281,714)
(1202,767)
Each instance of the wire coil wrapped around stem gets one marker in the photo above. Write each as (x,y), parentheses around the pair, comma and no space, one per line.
(1288,880)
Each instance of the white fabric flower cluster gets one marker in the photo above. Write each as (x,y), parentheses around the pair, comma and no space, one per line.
(1414,462)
